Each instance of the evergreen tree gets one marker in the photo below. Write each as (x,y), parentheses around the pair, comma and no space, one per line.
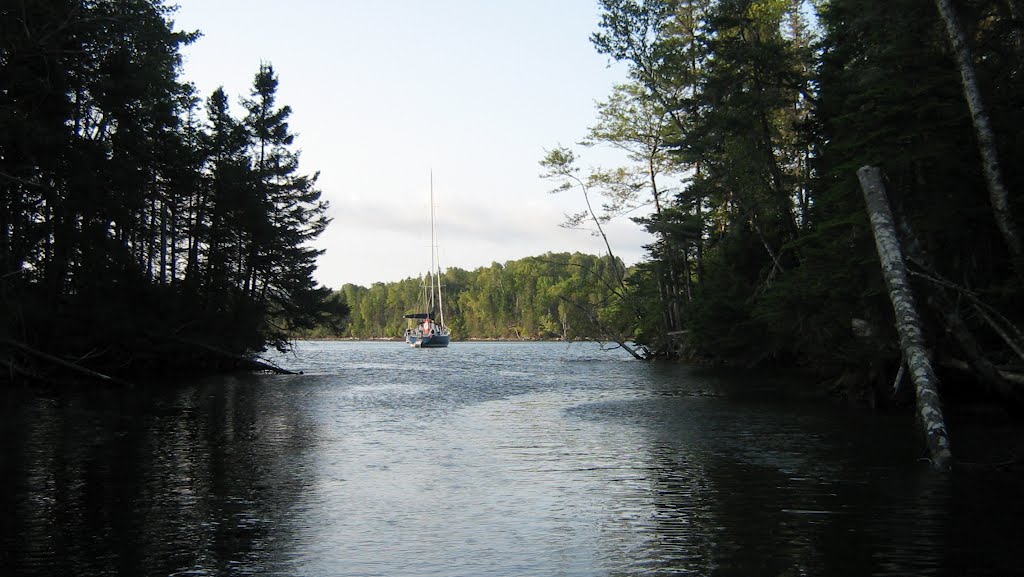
(285,214)
(224,208)
(128,227)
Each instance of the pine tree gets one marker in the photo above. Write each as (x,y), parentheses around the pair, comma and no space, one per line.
(287,215)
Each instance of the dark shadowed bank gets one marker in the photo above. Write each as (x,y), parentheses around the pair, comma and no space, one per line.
(144,230)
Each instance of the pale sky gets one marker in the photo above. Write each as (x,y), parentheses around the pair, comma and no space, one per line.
(382,93)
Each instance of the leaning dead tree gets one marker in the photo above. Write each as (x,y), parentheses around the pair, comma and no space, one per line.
(908,323)
(998,194)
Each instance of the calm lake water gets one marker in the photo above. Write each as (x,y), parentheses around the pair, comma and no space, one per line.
(483,459)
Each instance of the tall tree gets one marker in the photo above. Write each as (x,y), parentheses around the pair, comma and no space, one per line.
(219,224)
(662,44)
(983,128)
(290,215)
(112,193)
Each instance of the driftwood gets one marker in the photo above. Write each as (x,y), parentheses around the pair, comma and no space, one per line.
(997,322)
(62,363)
(961,365)
(941,299)
(239,360)
(908,324)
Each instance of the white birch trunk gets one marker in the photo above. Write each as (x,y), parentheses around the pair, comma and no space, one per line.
(908,324)
(998,195)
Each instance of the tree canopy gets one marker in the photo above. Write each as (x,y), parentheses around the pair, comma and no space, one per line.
(755,115)
(138,222)
(552,296)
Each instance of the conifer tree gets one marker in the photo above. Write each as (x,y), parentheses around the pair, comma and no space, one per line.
(287,215)
(223,207)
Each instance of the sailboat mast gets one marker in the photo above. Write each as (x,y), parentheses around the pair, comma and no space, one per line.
(432,242)
(435,261)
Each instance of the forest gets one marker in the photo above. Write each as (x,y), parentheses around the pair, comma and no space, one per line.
(545,297)
(746,123)
(140,223)
(143,230)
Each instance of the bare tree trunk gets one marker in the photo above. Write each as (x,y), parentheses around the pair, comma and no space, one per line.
(163,242)
(699,204)
(1015,18)
(777,266)
(986,139)
(908,324)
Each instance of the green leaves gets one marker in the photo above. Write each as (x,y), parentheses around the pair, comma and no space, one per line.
(113,188)
(555,295)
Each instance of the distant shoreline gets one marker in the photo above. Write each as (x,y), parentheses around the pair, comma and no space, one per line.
(470,340)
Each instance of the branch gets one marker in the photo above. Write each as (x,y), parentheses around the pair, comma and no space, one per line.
(19,180)
(253,363)
(619,339)
(986,311)
(66,364)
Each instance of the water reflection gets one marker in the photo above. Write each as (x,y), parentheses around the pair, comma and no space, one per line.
(190,481)
(521,459)
(726,502)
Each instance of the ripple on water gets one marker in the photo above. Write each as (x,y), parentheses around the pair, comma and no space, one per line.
(482,459)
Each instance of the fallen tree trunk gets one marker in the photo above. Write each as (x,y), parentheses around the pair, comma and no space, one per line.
(240,361)
(640,353)
(74,367)
(908,324)
(989,374)
(941,299)
(996,321)
(961,365)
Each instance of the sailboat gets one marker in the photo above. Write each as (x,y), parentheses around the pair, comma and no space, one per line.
(428,330)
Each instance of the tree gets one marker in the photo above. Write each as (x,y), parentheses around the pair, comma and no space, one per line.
(128,229)
(986,138)
(929,406)
(559,165)
(664,44)
(285,214)
(631,120)
(732,77)
(219,216)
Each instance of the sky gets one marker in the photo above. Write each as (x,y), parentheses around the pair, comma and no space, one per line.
(384,94)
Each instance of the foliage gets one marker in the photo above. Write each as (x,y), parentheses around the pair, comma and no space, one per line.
(544,297)
(763,255)
(128,224)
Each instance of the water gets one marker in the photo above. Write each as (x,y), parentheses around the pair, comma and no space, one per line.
(483,459)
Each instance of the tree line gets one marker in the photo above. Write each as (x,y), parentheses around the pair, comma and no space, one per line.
(136,217)
(552,296)
(745,122)
(142,227)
